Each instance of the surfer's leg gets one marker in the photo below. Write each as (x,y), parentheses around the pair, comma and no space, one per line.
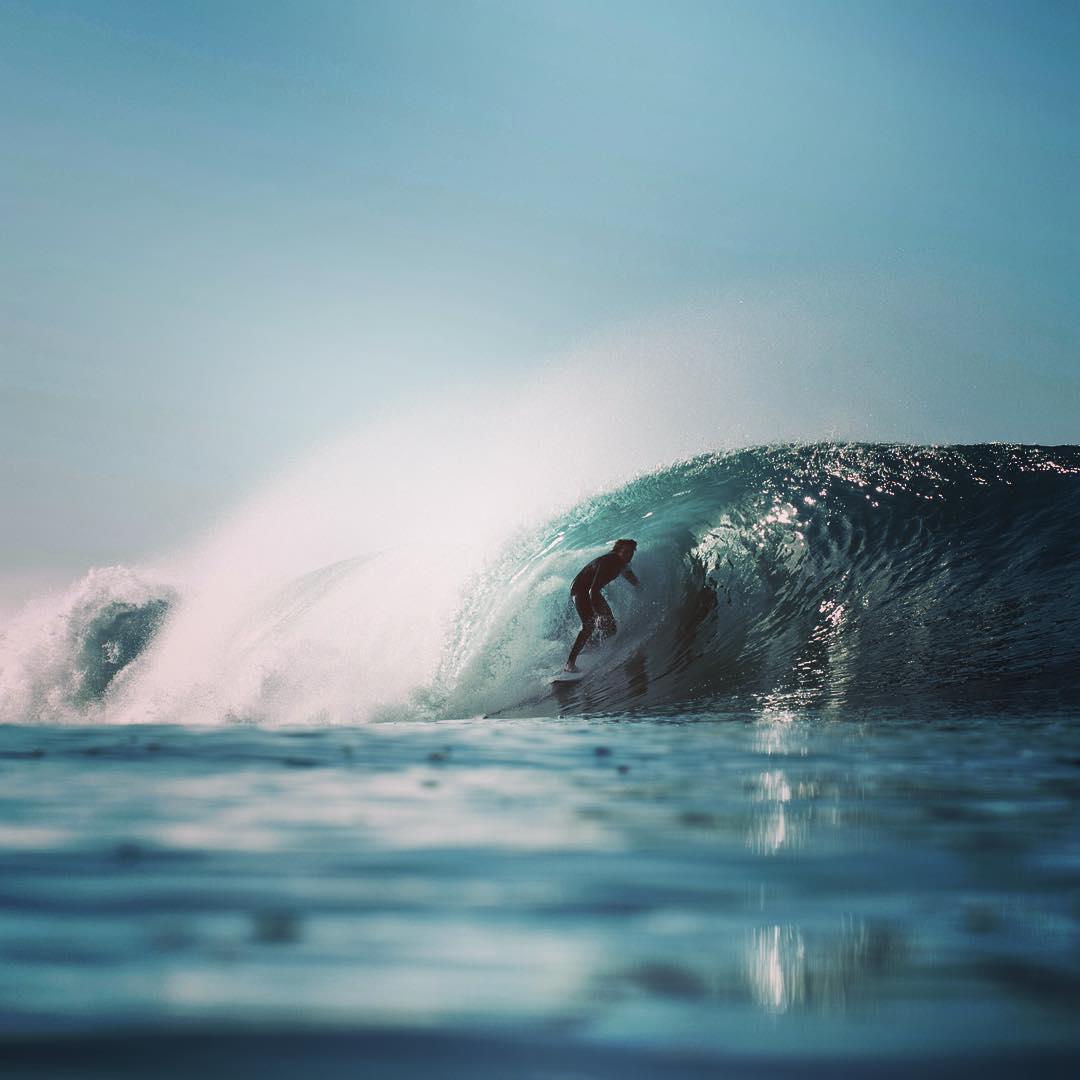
(588,624)
(579,643)
(605,621)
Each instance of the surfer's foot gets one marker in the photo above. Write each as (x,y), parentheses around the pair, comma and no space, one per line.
(573,669)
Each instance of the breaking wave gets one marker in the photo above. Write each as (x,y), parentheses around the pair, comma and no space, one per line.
(791,575)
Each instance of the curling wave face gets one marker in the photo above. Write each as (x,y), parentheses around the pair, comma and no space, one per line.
(817,575)
(792,575)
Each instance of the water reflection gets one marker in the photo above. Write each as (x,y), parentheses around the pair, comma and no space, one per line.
(772,828)
(788,968)
(776,967)
(774,823)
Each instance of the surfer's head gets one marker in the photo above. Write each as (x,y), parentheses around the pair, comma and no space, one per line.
(625,549)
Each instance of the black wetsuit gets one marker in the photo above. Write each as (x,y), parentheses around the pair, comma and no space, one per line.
(589,601)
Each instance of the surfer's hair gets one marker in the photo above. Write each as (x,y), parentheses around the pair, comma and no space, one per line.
(625,544)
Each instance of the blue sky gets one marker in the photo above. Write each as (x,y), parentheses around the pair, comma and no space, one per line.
(233,228)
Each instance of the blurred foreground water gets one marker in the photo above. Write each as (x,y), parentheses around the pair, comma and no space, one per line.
(763,893)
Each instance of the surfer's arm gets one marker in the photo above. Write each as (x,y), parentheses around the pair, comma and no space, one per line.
(631,577)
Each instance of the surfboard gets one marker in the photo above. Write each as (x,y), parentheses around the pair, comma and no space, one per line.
(552,689)
(567,677)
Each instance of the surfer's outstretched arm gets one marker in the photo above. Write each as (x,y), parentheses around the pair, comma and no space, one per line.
(631,577)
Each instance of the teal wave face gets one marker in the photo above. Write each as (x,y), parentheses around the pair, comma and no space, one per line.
(113,639)
(802,575)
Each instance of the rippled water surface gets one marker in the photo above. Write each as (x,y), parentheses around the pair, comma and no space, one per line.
(607,896)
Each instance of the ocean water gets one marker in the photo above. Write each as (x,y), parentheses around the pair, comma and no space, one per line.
(811,812)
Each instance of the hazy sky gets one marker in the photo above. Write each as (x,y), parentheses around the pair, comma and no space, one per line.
(229,229)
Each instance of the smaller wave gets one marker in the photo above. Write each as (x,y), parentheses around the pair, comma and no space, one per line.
(115,637)
(62,653)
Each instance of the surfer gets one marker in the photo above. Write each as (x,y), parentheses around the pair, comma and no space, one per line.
(588,599)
